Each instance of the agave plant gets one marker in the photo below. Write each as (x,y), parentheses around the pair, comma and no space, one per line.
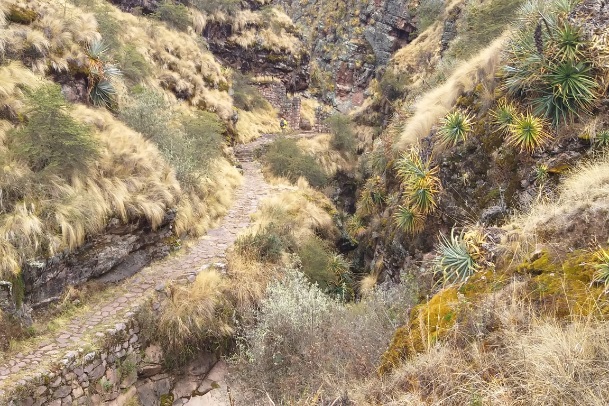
(541,173)
(456,258)
(343,283)
(456,127)
(570,88)
(101,75)
(601,139)
(527,132)
(525,66)
(569,42)
(504,115)
(355,227)
(423,199)
(372,196)
(409,220)
(602,268)
(415,172)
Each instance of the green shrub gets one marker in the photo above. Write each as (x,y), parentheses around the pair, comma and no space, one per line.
(212,6)
(189,144)
(428,12)
(51,141)
(266,245)
(393,84)
(245,96)
(482,22)
(302,336)
(149,114)
(133,65)
(343,137)
(326,269)
(109,28)
(285,158)
(175,14)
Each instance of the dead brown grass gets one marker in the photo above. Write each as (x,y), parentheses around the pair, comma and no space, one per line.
(504,355)
(428,110)
(574,218)
(330,160)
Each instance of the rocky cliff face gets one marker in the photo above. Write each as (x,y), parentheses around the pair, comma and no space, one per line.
(348,54)
(121,251)
(291,68)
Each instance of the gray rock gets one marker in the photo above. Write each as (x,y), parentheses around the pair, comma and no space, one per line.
(62,392)
(56,382)
(121,251)
(150,370)
(97,373)
(493,214)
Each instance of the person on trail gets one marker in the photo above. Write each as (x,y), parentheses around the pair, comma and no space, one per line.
(283,123)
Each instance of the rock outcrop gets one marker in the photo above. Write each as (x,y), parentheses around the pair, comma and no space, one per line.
(347,55)
(119,252)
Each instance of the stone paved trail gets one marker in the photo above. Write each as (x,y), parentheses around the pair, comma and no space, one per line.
(207,250)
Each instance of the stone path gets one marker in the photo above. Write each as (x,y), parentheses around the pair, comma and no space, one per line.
(206,251)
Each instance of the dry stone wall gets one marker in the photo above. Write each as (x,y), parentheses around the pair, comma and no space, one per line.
(124,367)
(289,107)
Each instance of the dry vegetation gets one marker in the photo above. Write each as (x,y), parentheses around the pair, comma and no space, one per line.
(434,104)
(49,204)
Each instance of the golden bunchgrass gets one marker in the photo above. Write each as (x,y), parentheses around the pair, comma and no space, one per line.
(436,103)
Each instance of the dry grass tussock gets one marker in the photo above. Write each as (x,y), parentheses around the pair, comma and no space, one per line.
(252,124)
(193,309)
(330,160)
(51,40)
(294,216)
(271,29)
(525,361)
(12,79)
(307,210)
(181,64)
(575,217)
(59,37)
(129,180)
(428,110)
(200,209)
(192,318)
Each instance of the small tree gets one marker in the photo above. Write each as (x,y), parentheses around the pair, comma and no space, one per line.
(51,141)
(343,137)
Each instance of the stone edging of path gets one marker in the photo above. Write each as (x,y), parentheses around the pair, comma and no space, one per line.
(51,365)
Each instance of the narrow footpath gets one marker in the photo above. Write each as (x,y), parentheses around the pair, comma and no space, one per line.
(207,250)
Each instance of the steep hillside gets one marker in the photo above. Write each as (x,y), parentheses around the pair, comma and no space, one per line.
(114,130)
(443,240)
